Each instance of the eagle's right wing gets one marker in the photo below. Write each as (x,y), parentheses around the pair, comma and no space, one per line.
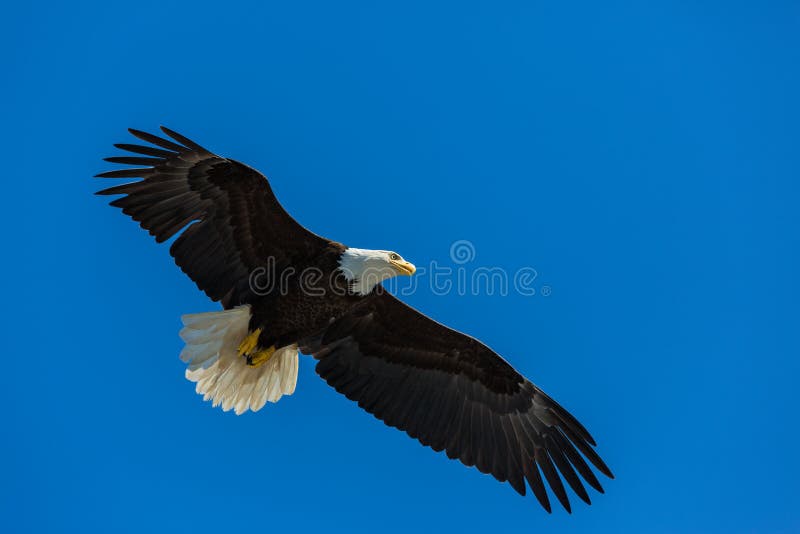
(234,224)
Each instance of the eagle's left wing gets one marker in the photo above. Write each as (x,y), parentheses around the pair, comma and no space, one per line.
(453,393)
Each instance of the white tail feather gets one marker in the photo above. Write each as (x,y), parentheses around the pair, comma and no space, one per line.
(222,375)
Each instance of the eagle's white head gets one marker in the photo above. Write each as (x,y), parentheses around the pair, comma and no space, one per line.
(365,268)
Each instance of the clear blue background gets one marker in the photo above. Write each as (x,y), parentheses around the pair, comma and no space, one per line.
(644,159)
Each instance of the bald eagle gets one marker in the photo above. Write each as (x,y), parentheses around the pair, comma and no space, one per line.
(442,387)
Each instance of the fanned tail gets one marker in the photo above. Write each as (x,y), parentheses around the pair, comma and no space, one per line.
(221,374)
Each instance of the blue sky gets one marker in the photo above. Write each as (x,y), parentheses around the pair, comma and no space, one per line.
(643,159)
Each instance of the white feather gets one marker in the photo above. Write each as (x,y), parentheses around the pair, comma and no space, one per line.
(221,374)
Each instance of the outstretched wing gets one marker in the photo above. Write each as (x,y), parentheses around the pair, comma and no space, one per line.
(234,224)
(453,393)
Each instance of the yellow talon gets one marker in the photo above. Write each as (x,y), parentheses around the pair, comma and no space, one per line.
(261,357)
(249,349)
(249,343)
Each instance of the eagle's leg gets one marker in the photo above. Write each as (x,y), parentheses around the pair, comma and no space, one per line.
(249,349)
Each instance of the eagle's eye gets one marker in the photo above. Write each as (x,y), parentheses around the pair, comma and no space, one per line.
(394,257)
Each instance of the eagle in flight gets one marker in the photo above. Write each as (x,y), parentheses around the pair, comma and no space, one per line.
(442,387)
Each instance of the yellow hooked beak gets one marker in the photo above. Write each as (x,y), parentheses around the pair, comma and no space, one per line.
(404,267)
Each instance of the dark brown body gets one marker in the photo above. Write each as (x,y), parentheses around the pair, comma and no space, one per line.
(303,300)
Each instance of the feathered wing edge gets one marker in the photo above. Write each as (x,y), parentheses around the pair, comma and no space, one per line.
(516,437)
(233,224)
